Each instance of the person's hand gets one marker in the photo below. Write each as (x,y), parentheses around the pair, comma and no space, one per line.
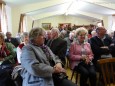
(58,68)
(87,61)
(112,44)
(83,57)
(105,47)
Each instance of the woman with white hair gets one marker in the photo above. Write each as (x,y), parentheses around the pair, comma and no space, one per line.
(81,57)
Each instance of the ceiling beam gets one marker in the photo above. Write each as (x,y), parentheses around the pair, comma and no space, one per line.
(46,15)
(41,5)
(104,3)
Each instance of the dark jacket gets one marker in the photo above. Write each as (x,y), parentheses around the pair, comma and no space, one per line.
(59,47)
(96,44)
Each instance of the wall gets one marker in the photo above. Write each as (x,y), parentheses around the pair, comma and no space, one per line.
(9,18)
(15,12)
(63,19)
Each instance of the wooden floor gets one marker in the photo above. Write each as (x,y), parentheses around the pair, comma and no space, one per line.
(69,73)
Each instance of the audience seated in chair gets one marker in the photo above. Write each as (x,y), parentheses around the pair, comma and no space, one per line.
(100,45)
(7,55)
(58,45)
(81,56)
(12,40)
(37,60)
(24,38)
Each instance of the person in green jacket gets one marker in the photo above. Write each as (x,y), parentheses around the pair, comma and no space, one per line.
(7,55)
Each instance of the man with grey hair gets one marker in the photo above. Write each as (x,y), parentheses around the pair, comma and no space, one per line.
(58,45)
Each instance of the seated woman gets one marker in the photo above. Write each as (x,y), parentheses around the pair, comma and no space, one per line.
(37,59)
(24,38)
(7,55)
(81,56)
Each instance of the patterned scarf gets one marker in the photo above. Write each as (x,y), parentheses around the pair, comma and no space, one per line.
(46,51)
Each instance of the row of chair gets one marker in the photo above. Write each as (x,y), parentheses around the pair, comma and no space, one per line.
(107,73)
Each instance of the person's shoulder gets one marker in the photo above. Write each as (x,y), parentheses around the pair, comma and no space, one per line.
(21,45)
(93,38)
(8,44)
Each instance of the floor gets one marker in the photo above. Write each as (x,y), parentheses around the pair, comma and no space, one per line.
(69,73)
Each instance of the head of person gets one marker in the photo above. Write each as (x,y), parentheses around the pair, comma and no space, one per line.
(2,37)
(55,33)
(71,35)
(36,36)
(101,31)
(8,35)
(93,33)
(81,34)
(48,34)
(25,37)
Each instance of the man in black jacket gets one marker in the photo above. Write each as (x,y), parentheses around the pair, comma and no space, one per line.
(100,44)
(12,40)
(58,45)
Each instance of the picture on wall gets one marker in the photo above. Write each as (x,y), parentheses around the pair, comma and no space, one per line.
(46,26)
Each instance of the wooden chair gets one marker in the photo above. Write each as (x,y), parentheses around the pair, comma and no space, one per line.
(75,71)
(108,70)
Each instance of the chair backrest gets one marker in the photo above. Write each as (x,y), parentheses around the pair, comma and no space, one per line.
(108,70)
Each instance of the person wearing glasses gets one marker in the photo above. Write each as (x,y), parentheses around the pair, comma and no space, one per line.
(81,57)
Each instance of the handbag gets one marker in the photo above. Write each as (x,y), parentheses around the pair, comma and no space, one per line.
(58,76)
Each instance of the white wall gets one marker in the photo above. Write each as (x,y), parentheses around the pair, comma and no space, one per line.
(9,18)
(63,19)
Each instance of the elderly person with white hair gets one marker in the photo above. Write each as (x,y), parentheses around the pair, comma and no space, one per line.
(25,39)
(58,45)
(39,63)
(81,57)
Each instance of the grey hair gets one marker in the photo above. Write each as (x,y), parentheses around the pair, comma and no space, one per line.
(35,32)
(24,34)
(55,30)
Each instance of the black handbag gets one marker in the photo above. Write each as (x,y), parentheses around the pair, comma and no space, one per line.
(58,76)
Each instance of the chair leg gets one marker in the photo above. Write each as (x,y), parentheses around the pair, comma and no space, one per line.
(76,78)
(72,74)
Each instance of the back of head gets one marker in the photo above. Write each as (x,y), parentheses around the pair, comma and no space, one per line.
(24,34)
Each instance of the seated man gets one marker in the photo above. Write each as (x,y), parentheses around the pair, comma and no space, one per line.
(58,45)
(100,45)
